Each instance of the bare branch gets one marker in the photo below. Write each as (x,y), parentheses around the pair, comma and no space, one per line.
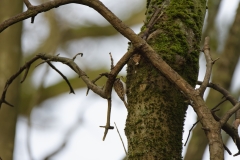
(33,11)
(64,77)
(107,126)
(48,58)
(190,132)
(229,113)
(223,91)
(12,78)
(209,64)
(214,108)
(230,98)
(81,54)
(96,79)
(112,63)
(117,68)
(121,139)
(233,133)
(74,67)
(225,147)
(27,3)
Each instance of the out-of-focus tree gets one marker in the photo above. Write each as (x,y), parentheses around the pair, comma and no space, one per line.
(10,60)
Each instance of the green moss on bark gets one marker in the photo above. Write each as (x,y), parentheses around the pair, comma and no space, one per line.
(157,109)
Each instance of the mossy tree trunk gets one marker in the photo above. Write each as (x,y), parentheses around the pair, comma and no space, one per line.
(10,58)
(156,108)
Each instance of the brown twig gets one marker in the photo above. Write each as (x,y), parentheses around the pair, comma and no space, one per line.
(12,78)
(107,126)
(223,91)
(33,11)
(64,77)
(27,3)
(230,130)
(214,108)
(112,63)
(75,68)
(233,133)
(48,58)
(229,113)
(209,63)
(121,138)
(25,74)
(190,132)
(226,148)
(81,54)
(229,97)
(96,79)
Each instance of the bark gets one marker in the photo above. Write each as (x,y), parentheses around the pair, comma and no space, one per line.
(156,108)
(10,55)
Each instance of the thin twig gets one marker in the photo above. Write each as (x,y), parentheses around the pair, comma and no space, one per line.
(112,63)
(229,113)
(107,126)
(209,64)
(64,77)
(120,138)
(81,54)
(69,62)
(154,18)
(96,79)
(27,3)
(226,148)
(190,132)
(225,99)
(223,91)
(25,74)
(229,97)
(12,78)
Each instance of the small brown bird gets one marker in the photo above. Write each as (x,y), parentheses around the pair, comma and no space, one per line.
(119,87)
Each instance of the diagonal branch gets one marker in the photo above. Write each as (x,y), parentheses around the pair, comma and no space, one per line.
(229,97)
(33,11)
(223,91)
(48,58)
(229,113)
(64,77)
(96,79)
(75,68)
(203,112)
(11,79)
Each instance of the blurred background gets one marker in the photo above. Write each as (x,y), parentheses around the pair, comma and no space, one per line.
(52,124)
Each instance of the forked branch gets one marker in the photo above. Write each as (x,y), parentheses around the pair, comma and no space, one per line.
(48,59)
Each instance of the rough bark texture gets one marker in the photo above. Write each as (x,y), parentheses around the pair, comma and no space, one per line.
(10,54)
(156,109)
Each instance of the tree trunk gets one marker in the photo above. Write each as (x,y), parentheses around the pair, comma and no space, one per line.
(10,55)
(156,109)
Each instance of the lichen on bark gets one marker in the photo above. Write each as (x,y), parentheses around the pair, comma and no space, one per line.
(156,108)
